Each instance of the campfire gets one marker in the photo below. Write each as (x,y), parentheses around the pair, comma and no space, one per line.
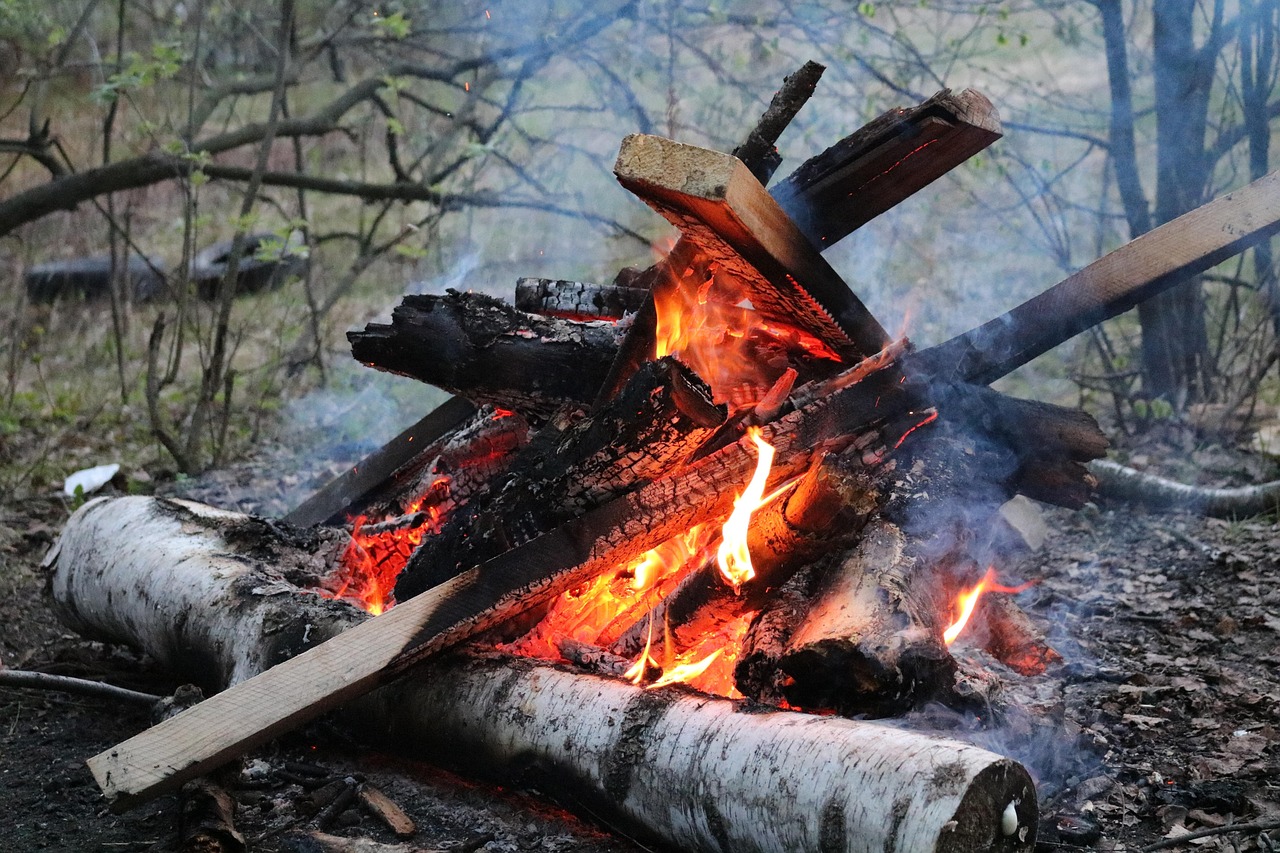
(719,472)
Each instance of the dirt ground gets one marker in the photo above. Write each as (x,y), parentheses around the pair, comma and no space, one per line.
(1162,719)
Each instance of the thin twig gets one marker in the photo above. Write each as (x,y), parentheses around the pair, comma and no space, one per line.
(1213,830)
(67,684)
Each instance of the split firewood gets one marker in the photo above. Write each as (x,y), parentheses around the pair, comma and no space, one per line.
(823,512)
(387,811)
(867,643)
(663,415)
(1009,636)
(643,759)
(886,161)
(207,820)
(485,350)
(576,300)
(331,503)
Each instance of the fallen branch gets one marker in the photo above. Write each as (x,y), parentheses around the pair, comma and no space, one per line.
(1154,492)
(79,686)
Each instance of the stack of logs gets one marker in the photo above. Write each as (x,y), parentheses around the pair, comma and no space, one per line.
(859,565)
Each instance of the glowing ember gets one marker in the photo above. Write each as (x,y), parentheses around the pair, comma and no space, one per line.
(967,601)
(733,557)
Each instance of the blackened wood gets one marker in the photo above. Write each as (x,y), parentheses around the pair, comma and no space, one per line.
(868,642)
(331,503)
(484,349)
(758,152)
(885,162)
(577,300)
(446,472)
(207,820)
(659,419)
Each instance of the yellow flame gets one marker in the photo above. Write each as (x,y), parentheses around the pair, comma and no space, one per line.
(685,671)
(733,556)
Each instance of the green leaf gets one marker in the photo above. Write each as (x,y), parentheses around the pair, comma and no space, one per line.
(393,26)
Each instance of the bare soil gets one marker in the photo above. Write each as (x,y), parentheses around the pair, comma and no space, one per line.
(1163,718)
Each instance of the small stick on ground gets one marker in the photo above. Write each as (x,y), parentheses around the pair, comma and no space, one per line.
(79,686)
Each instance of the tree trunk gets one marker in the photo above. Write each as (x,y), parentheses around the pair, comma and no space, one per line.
(691,771)
(1175,343)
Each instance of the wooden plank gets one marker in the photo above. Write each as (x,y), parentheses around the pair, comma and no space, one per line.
(885,162)
(345,491)
(720,206)
(1111,285)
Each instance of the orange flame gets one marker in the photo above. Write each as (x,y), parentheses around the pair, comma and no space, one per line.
(967,601)
(733,556)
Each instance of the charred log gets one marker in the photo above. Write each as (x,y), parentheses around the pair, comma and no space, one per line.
(868,642)
(659,419)
(576,300)
(483,349)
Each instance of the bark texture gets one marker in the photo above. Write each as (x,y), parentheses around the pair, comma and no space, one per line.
(694,772)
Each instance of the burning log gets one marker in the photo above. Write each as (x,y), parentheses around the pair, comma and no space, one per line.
(483,349)
(866,642)
(692,771)
(660,418)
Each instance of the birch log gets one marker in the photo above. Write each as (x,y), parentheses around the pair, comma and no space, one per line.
(194,586)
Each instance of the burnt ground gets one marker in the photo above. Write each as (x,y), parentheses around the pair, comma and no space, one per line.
(1162,719)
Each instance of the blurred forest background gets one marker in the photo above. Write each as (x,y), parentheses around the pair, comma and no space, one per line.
(415,145)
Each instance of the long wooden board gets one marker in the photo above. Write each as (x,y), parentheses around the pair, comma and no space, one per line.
(1111,285)
(288,695)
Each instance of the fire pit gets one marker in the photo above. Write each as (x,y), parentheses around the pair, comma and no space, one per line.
(745,487)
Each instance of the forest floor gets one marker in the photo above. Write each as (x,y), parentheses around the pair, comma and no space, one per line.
(1163,718)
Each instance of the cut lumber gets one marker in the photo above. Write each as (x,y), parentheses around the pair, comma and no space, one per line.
(485,350)
(690,771)
(718,204)
(1111,285)
(331,503)
(885,162)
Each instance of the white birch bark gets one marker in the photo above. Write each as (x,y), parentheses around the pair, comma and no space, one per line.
(194,586)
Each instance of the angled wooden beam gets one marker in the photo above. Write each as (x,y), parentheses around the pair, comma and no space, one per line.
(888,160)
(720,207)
